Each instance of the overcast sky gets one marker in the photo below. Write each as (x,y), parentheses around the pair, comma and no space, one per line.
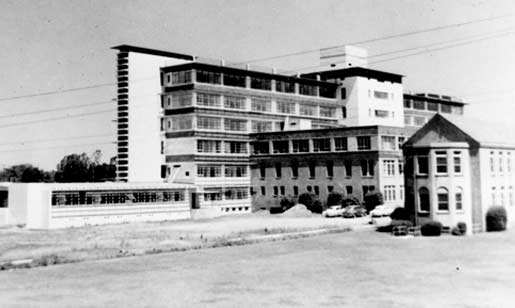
(52,45)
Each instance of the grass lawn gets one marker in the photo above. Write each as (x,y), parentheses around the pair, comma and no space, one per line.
(352,269)
(109,241)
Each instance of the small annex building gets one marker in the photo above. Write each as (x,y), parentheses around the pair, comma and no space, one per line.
(457,168)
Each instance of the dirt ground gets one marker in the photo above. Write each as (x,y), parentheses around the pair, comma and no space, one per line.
(109,241)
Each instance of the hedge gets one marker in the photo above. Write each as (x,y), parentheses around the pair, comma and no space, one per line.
(496,219)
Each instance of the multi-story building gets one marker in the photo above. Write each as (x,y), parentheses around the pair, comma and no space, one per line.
(186,120)
(456,168)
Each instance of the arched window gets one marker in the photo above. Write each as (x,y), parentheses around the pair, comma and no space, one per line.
(458,197)
(443,199)
(424,201)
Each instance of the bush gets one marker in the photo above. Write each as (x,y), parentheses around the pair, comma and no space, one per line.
(400,213)
(372,199)
(287,202)
(317,207)
(431,228)
(395,223)
(307,199)
(496,219)
(350,200)
(334,198)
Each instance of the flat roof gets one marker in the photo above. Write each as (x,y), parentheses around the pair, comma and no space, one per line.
(155,52)
(326,131)
(356,72)
(433,99)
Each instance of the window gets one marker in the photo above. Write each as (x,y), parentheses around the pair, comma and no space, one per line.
(420,105)
(424,204)
(492,162)
(500,162)
(330,167)
(388,143)
(322,145)
(407,103)
(261,105)
(261,147)
(260,83)
(181,77)
(340,144)
(457,162)
(432,106)
(510,196)
(458,110)
(235,125)
(285,86)
(281,146)
(401,167)
(367,167)
(276,190)
(508,162)
(381,95)
(441,162)
(261,126)
(381,113)
(206,171)
(344,112)
(348,190)
(209,146)
(295,190)
(179,100)
(389,167)
(407,120)
(208,77)
(459,198)
(389,193)
(311,168)
(235,80)
(363,143)
(263,191)
(327,91)
(283,190)
(285,107)
(330,188)
(493,193)
(234,102)
(300,146)
(419,121)
(422,165)
(162,147)
(367,189)
(501,194)
(294,169)
(446,108)
(309,188)
(236,193)
(305,89)
(235,147)
(213,194)
(209,123)
(180,123)
(317,190)
(236,171)
(327,112)
(208,100)
(278,170)
(401,192)
(343,93)
(307,110)
(348,168)
(443,199)
(262,171)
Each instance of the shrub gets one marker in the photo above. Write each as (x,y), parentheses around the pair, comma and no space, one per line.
(462,227)
(431,228)
(350,200)
(395,223)
(334,198)
(287,202)
(307,199)
(496,219)
(372,199)
(317,207)
(400,213)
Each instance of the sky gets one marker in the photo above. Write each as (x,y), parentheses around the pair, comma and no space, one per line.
(50,46)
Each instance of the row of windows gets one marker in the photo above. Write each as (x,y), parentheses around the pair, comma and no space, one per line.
(294,191)
(432,106)
(215,171)
(219,194)
(442,195)
(497,162)
(499,198)
(258,83)
(115,197)
(215,146)
(367,169)
(415,120)
(310,145)
(205,122)
(442,162)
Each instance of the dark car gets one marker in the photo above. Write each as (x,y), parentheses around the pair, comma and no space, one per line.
(353,211)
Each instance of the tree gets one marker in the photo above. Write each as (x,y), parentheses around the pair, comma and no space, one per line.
(73,168)
(25,173)
(372,199)
(334,198)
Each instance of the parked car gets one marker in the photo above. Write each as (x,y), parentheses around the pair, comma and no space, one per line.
(381,211)
(334,211)
(352,211)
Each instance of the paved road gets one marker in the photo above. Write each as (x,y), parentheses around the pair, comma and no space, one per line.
(354,269)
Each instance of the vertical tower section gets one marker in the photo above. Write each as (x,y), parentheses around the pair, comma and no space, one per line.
(139,157)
